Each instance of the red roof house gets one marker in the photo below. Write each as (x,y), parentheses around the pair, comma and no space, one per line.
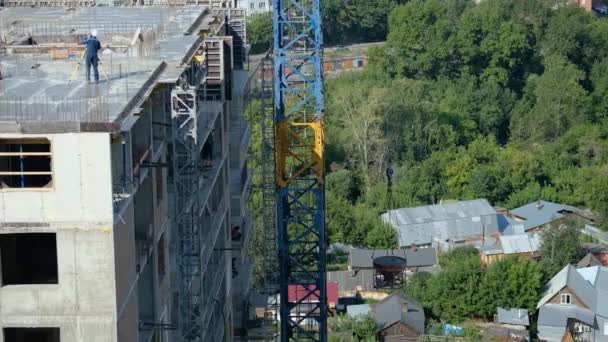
(297,293)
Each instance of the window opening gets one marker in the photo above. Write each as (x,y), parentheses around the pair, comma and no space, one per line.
(28,258)
(161,257)
(31,334)
(158,174)
(25,163)
(565,299)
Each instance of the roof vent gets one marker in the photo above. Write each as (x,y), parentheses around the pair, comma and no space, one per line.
(539,205)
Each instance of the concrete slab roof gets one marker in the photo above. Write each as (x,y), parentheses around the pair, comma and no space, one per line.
(37,90)
(57,21)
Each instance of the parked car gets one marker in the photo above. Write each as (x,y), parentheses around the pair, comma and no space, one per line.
(342,48)
(601,9)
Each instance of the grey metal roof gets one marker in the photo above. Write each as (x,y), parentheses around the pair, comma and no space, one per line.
(390,310)
(588,260)
(513,316)
(453,221)
(358,309)
(595,247)
(352,280)
(364,258)
(557,315)
(521,243)
(509,226)
(538,213)
(492,249)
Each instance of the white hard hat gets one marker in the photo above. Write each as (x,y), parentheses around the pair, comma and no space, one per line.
(94,33)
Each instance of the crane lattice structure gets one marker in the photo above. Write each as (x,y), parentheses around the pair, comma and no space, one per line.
(299,110)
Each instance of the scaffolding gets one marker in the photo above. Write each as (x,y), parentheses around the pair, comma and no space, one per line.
(186,175)
(268,175)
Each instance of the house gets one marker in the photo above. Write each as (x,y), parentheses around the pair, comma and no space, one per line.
(358,310)
(522,245)
(304,302)
(414,258)
(352,281)
(589,5)
(575,305)
(597,255)
(399,317)
(511,324)
(444,225)
(515,317)
(297,293)
(383,268)
(533,216)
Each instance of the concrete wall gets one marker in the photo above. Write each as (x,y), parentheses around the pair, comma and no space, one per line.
(81,184)
(79,210)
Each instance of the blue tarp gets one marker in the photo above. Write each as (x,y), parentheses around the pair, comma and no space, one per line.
(449,329)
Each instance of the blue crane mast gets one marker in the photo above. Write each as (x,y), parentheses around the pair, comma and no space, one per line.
(299,151)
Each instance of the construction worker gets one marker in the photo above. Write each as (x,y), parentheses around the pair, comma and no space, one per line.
(92,45)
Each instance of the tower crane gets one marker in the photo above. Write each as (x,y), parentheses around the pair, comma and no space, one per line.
(299,154)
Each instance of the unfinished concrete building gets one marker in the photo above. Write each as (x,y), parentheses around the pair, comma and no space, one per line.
(211,4)
(123,204)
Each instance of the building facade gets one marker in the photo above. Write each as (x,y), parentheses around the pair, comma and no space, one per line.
(254,7)
(124,203)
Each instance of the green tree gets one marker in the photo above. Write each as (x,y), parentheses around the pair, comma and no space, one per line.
(554,101)
(363,327)
(360,110)
(559,247)
(567,34)
(510,283)
(259,32)
(421,40)
(343,184)
(381,237)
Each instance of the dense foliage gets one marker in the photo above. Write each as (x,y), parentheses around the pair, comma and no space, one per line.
(467,288)
(560,246)
(363,327)
(344,22)
(259,32)
(504,100)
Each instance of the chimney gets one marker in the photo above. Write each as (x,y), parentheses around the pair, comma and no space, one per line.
(539,204)
(520,313)
(404,307)
(414,248)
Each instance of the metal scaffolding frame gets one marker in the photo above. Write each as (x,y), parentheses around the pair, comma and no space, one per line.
(186,176)
(299,110)
(269,184)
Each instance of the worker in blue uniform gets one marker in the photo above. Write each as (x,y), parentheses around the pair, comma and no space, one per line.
(92,46)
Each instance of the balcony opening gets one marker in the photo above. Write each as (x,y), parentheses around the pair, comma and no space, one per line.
(207,153)
(25,163)
(28,258)
(31,334)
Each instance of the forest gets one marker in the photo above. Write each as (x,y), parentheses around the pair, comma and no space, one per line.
(504,100)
